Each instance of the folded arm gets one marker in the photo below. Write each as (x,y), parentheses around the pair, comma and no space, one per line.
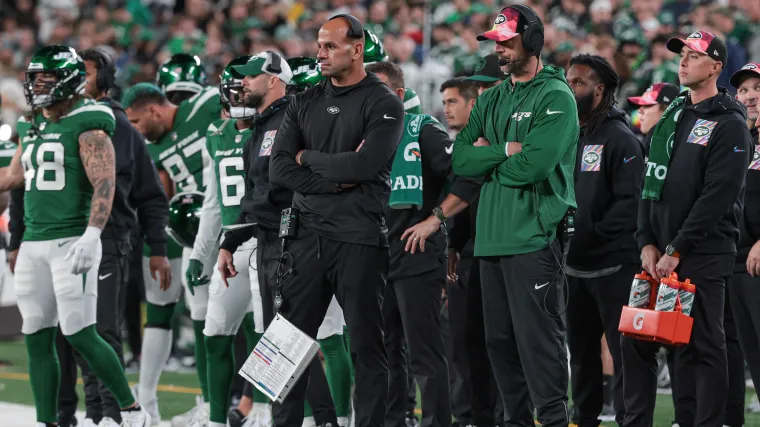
(469,160)
(384,131)
(284,171)
(12,176)
(551,135)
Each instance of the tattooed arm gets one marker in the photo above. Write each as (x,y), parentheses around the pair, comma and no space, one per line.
(97,154)
(12,176)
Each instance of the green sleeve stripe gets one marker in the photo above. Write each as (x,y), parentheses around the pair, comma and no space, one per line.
(411,103)
(92,108)
(212,92)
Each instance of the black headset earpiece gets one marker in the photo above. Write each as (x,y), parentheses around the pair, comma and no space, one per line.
(106,76)
(275,65)
(533,33)
(355,27)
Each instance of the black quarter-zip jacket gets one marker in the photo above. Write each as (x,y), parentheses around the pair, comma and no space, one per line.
(608,171)
(435,149)
(701,201)
(330,123)
(262,202)
(749,227)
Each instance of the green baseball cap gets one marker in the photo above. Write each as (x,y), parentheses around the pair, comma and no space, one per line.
(266,63)
(489,70)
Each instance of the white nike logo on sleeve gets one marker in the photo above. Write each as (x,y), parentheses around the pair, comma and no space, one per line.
(387,117)
(449,149)
(105,276)
(550,112)
(537,286)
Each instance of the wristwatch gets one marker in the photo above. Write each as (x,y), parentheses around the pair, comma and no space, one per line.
(438,213)
(671,251)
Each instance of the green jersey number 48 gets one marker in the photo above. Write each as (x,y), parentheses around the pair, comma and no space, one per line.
(50,174)
(231,180)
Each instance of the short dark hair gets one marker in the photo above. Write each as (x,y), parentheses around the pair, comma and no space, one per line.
(394,73)
(468,89)
(141,95)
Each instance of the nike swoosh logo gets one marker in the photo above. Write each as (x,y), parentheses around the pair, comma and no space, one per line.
(540,286)
(738,150)
(63,243)
(449,149)
(550,112)
(628,159)
(105,276)
(387,117)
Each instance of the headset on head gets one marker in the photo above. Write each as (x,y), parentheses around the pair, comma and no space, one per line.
(275,63)
(106,76)
(533,33)
(355,28)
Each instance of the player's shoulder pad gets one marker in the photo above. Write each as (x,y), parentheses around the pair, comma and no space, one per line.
(207,99)
(87,114)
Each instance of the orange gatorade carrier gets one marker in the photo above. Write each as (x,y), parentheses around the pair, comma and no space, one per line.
(664,318)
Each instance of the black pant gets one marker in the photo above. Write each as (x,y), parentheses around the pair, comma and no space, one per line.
(454,331)
(487,405)
(525,334)
(99,402)
(700,365)
(134,295)
(268,250)
(737,387)
(744,292)
(594,309)
(411,312)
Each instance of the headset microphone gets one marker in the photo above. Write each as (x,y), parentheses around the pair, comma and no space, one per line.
(505,62)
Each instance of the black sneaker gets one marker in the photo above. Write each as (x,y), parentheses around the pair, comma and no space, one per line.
(69,421)
(235,418)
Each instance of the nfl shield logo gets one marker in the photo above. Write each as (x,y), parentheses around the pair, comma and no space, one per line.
(42,125)
(238,138)
(174,136)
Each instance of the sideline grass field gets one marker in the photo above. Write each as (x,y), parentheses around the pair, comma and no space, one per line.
(177,391)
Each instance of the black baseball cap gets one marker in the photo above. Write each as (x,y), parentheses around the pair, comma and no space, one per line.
(703,42)
(489,70)
(658,93)
(750,70)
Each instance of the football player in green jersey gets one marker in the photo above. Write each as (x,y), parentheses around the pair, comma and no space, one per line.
(307,73)
(374,51)
(178,147)
(181,77)
(238,304)
(65,161)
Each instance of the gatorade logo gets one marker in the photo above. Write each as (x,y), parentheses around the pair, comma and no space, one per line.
(638,321)
(412,152)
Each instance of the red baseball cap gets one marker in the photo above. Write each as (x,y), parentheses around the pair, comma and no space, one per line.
(702,42)
(750,70)
(504,26)
(658,93)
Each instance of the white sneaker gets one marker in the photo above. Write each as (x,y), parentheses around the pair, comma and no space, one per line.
(261,413)
(135,418)
(105,422)
(88,422)
(151,407)
(199,412)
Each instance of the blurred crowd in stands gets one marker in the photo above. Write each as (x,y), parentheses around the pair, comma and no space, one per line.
(141,34)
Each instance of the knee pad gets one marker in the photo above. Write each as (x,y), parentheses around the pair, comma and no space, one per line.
(32,316)
(159,316)
(216,321)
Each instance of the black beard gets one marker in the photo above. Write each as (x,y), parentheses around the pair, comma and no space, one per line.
(585,105)
(254,100)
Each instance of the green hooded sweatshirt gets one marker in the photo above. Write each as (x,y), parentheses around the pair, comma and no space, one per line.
(542,115)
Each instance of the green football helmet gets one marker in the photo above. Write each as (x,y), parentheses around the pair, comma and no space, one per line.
(185,217)
(306,73)
(181,73)
(68,68)
(231,90)
(373,48)
(411,101)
